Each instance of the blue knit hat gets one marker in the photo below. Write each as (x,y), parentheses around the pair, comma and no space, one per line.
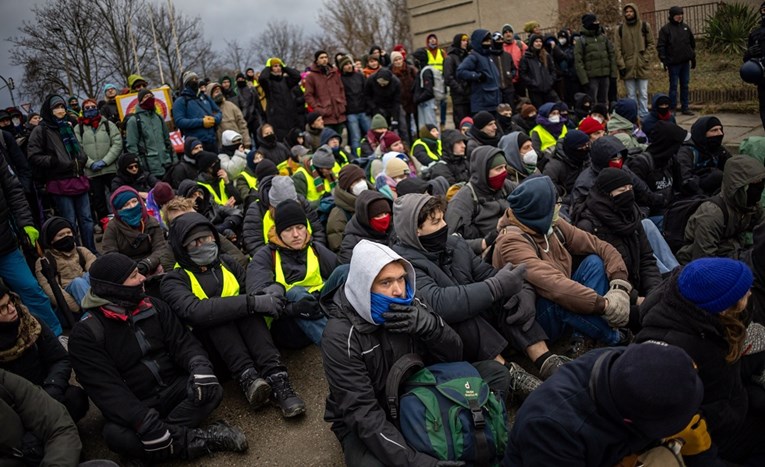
(533,202)
(714,284)
(121,199)
(627,108)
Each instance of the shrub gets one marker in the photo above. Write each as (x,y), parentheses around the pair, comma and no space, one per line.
(728,29)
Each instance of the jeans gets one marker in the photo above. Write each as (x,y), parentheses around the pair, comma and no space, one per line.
(312,328)
(442,107)
(17,276)
(597,88)
(680,72)
(79,287)
(426,113)
(76,209)
(555,320)
(358,126)
(665,259)
(637,90)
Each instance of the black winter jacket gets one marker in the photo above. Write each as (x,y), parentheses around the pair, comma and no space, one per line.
(47,153)
(358,229)
(563,171)
(383,100)
(355,100)
(14,210)
(261,275)
(534,74)
(676,44)
(458,89)
(282,112)
(506,67)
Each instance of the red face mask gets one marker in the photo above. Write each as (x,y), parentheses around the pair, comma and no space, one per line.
(148,104)
(617,164)
(380,224)
(496,182)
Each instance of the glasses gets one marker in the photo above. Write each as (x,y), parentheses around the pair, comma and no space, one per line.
(90,107)
(132,166)
(8,308)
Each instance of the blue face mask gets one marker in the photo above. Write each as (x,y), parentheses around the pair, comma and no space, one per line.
(380,303)
(132,216)
(90,113)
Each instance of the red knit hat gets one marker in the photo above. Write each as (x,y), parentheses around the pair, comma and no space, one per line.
(589,125)
(388,139)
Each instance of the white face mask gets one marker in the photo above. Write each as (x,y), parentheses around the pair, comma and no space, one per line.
(598,118)
(562,41)
(359,187)
(530,158)
(554,119)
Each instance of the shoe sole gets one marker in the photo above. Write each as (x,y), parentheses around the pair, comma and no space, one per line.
(260,396)
(294,412)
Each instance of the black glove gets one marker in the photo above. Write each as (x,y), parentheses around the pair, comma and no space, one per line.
(308,309)
(693,64)
(144,266)
(202,388)
(267,304)
(522,309)
(55,391)
(622,72)
(412,319)
(155,436)
(482,78)
(507,282)
(491,238)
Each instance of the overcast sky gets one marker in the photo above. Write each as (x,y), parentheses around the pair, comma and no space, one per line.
(222,19)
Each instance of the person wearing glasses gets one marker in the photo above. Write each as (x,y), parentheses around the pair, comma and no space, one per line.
(130,173)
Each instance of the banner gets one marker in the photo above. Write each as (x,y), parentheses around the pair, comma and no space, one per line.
(163,104)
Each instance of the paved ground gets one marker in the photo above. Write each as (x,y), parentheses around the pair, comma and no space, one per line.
(737,127)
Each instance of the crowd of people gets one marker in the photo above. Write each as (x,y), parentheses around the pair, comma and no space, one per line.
(555,215)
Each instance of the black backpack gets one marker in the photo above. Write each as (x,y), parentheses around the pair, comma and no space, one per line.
(677,216)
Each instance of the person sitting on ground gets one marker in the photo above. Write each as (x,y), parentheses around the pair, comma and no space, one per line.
(134,233)
(582,107)
(67,263)
(427,149)
(186,168)
(247,180)
(623,124)
(371,221)
(28,348)
(484,132)
(609,212)
(550,129)
(660,112)
(567,162)
(526,118)
(313,128)
(390,143)
(316,179)
(216,181)
(260,215)
(469,293)
(593,128)
(465,125)
(151,379)
(378,309)
(158,196)
(371,142)
(131,174)
(269,146)
(505,119)
(699,163)
(454,166)
(699,309)
(233,158)
(227,220)
(334,141)
(594,300)
(713,232)
(607,406)
(520,155)
(351,182)
(395,171)
(297,154)
(208,291)
(293,267)
(473,212)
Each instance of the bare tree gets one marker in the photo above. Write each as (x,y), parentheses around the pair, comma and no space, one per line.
(236,56)
(284,40)
(608,13)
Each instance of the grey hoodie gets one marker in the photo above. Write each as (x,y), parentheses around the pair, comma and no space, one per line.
(369,258)
(509,145)
(405,211)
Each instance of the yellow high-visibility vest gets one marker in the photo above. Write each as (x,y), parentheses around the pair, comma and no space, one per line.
(547,140)
(312,194)
(431,154)
(252,182)
(230,284)
(220,198)
(268,223)
(312,280)
(437,61)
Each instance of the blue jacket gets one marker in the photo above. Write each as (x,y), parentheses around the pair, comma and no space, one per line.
(650,120)
(188,112)
(486,95)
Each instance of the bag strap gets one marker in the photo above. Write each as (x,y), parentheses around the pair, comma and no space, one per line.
(81,257)
(404,367)
(482,452)
(53,264)
(96,327)
(718,201)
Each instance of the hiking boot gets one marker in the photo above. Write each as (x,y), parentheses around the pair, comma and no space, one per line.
(551,365)
(580,345)
(220,436)
(284,396)
(522,383)
(687,112)
(255,388)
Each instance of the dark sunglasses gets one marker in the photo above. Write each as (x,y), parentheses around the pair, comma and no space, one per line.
(132,166)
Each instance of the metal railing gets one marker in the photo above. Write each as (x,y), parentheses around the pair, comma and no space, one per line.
(695,16)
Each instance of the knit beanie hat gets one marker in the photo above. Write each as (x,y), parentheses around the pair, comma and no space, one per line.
(143,93)
(348,175)
(312,117)
(714,284)
(190,143)
(482,118)
(396,168)
(389,139)
(317,54)
(205,160)
(507,28)
(108,86)
(89,100)
(599,108)
(527,110)
(162,193)
(627,108)
(466,122)
(394,55)
(265,168)
(50,229)
(498,160)
(188,76)
(298,151)
(379,122)
(610,179)
(589,125)
(289,213)
(112,268)
(655,387)
(56,100)
(377,207)
(323,158)
(533,202)
(282,189)
(343,61)
(122,198)
(413,185)
(522,138)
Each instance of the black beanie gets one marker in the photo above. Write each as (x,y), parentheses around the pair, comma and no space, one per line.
(205,160)
(265,168)
(413,185)
(288,213)
(51,227)
(377,207)
(573,140)
(142,93)
(317,54)
(522,138)
(611,178)
(110,269)
(312,117)
(481,119)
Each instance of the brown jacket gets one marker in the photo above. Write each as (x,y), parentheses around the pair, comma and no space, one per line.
(139,244)
(325,94)
(233,119)
(67,269)
(550,272)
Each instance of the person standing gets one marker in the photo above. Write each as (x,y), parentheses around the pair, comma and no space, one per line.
(516,48)
(483,76)
(634,46)
(458,89)
(195,114)
(755,50)
(324,91)
(357,121)
(148,137)
(282,85)
(594,59)
(677,52)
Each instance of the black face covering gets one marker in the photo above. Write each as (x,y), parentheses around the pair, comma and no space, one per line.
(754,193)
(64,244)
(624,201)
(435,241)
(241,84)
(193,85)
(121,295)
(714,142)
(270,139)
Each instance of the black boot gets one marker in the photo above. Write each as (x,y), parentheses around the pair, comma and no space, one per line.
(284,396)
(220,436)
(255,388)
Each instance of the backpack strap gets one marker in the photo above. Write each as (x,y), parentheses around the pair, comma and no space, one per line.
(96,327)
(482,452)
(81,257)
(720,203)
(404,367)
(53,264)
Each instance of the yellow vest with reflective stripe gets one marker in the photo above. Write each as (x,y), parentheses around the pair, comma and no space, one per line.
(312,280)
(287,167)
(268,222)
(431,154)
(220,198)
(252,182)
(547,140)
(230,284)
(312,194)
(437,61)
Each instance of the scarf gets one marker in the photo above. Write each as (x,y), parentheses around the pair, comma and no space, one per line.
(92,122)
(26,335)
(381,303)
(318,180)
(555,129)
(67,136)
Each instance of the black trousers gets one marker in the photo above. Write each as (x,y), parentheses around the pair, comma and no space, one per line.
(508,95)
(246,343)
(76,402)
(99,189)
(176,410)
(480,341)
